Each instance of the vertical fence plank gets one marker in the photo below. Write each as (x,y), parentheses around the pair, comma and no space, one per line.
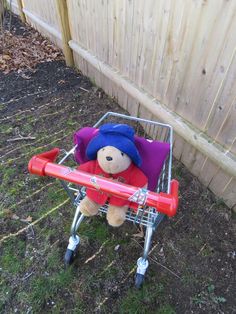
(229,193)
(20,7)
(219,182)
(65,30)
(178,146)
(223,100)
(192,159)
(227,132)
(207,172)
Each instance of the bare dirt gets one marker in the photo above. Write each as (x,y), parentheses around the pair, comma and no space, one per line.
(192,264)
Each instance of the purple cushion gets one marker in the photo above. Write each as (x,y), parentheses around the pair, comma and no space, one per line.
(153,153)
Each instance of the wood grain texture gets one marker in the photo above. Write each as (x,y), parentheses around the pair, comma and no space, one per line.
(65,31)
(192,159)
(20,7)
(207,172)
(229,193)
(219,182)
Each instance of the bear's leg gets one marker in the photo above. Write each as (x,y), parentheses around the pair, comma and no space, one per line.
(116,215)
(89,207)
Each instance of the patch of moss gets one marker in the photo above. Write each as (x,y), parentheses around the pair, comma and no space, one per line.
(97,229)
(12,259)
(45,289)
(166,309)
(145,300)
(5,294)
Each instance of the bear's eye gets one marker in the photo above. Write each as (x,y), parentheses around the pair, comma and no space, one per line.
(103,149)
(122,154)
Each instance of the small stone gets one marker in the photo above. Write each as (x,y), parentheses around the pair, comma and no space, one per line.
(117,247)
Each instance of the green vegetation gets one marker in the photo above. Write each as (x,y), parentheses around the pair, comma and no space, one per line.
(166,309)
(12,259)
(95,229)
(208,296)
(149,299)
(45,288)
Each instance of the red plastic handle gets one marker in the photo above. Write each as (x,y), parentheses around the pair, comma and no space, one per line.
(43,165)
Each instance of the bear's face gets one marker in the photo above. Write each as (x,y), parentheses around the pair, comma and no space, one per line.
(112,160)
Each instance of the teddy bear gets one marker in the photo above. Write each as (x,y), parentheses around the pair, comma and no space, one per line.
(112,154)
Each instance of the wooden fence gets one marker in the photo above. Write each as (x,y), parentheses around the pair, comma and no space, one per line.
(169,60)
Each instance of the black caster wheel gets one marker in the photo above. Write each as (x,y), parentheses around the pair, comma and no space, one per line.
(69,257)
(139,279)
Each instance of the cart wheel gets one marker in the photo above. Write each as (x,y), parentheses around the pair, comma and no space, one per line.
(71,250)
(139,279)
(69,257)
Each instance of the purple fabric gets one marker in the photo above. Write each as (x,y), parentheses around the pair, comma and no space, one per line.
(153,153)
(82,138)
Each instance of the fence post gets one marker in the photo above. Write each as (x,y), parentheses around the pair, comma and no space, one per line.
(22,14)
(65,30)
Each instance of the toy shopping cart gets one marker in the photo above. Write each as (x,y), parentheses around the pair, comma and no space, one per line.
(160,199)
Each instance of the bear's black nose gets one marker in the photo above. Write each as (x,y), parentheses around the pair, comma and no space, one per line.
(108,158)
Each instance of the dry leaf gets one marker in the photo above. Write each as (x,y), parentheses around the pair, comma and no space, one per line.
(61,82)
(6,57)
(140,234)
(15,217)
(25,52)
(28,219)
(26,77)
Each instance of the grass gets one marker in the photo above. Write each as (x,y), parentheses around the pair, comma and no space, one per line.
(44,289)
(6,292)
(150,299)
(12,259)
(95,229)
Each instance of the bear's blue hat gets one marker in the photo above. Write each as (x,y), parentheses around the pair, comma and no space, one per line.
(120,136)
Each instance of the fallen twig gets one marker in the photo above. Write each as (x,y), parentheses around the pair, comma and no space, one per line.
(179,220)
(202,248)
(4,238)
(140,234)
(163,266)
(27,276)
(21,138)
(84,89)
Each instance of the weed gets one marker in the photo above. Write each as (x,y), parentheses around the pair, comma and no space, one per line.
(177,172)
(6,129)
(220,202)
(207,251)
(208,296)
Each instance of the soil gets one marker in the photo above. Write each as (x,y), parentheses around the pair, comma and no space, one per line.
(192,261)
